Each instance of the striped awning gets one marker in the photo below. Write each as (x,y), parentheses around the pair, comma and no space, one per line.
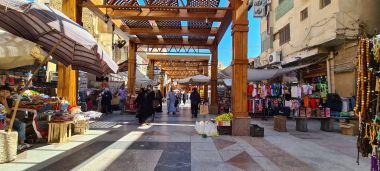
(46,26)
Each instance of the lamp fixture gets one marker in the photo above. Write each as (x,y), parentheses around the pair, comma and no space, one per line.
(106,17)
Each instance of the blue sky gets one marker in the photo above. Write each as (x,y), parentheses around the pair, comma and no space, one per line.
(254,45)
(254,42)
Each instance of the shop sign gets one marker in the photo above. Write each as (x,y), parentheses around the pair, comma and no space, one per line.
(82,81)
(259,8)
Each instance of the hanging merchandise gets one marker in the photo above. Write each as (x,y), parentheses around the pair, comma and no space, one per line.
(367,106)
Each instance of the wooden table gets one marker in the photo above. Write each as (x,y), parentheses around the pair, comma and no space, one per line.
(327,123)
(59,132)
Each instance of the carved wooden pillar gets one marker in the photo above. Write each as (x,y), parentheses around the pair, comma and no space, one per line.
(67,78)
(131,67)
(205,72)
(162,80)
(214,80)
(241,121)
(151,69)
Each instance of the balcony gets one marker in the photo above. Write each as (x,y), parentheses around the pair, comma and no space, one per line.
(284,7)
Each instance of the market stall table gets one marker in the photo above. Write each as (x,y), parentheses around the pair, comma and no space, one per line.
(59,132)
(327,123)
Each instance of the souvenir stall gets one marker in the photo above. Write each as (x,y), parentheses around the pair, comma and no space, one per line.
(273,99)
(368,99)
(224,99)
(317,103)
(55,38)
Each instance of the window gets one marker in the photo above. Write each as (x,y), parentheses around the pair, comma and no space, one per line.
(324,3)
(284,34)
(304,14)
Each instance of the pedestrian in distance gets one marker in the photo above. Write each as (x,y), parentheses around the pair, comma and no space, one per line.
(171,102)
(184,97)
(106,101)
(195,99)
(144,103)
(123,98)
(157,101)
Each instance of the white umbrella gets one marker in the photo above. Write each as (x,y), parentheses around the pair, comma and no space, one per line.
(144,82)
(264,74)
(17,52)
(195,80)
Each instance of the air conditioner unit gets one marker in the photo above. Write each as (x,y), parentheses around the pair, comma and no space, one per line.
(275,57)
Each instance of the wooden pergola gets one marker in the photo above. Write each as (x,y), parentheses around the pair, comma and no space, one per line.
(171,26)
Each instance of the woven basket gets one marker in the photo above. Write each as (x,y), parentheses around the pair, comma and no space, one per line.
(8,146)
(81,127)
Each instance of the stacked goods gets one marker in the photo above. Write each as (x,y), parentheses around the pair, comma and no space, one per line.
(33,100)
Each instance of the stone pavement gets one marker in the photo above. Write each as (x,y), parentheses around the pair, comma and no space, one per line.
(116,142)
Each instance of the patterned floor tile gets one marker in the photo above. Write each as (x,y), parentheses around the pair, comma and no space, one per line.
(244,161)
(222,143)
(203,146)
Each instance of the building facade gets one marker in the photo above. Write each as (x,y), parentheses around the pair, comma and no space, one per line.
(324,32)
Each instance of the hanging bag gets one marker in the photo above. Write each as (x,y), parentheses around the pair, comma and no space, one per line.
(203,109)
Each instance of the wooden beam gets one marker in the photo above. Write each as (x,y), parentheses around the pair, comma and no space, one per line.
(171,69)
(184,31)
(203,44)
(223,27)
(178,58)
(182,15)
(155,7)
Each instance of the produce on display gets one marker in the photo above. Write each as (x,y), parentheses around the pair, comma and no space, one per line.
(224,117)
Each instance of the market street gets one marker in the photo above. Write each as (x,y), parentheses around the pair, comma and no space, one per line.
(170,143)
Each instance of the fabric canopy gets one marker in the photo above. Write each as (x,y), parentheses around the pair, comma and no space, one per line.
(47,27)
(264,74)
(195,80)
(17,52)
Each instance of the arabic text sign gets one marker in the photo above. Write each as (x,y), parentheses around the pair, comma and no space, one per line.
(259,8)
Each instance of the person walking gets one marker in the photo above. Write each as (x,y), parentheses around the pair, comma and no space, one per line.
(158,101)
(184,97)
(106,101)
(123,98)
(195,99)
(144,103)
(171,101)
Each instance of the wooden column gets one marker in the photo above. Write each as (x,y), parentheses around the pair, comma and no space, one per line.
(162,80)
(151,69)
(205,87)
(214,80)
(68,78)
(241,121)
(131,67)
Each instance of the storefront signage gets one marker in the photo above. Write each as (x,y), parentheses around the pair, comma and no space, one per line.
(259,9)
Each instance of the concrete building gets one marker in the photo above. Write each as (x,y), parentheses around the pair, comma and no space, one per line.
(321,31)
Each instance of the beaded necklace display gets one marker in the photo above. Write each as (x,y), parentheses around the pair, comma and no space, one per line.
(366,107)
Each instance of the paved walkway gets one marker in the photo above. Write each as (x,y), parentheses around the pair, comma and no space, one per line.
(170,143)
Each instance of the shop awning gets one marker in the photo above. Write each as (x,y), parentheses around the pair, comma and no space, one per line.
(195,80)
(264,74)
(45,26)
(17,52)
